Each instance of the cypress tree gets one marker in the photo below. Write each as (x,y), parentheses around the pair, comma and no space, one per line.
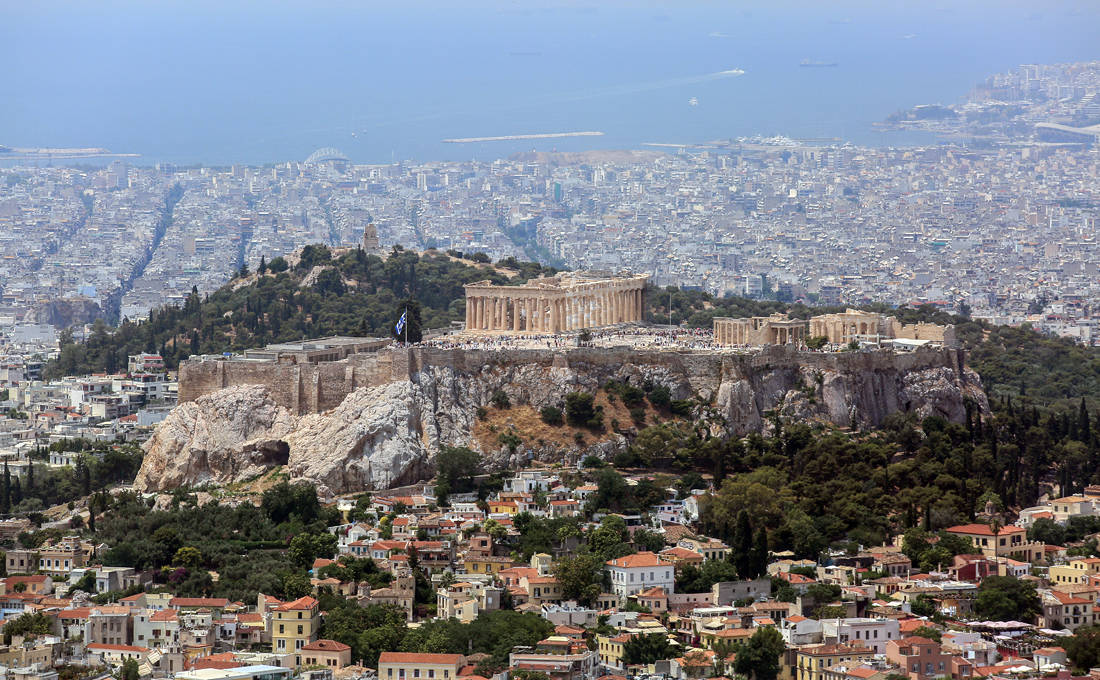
(1084,428)
(742,544)
(759,563)
(5,493)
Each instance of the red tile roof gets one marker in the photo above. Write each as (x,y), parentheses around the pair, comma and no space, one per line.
(198,602)
(306,602)
(414,658)
(326,646)
(983,530)
(642,559)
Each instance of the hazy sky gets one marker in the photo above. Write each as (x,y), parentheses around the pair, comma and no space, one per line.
(255,81)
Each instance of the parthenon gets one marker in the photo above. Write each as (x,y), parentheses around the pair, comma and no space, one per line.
(552,304)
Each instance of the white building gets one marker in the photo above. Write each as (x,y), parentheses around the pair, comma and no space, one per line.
(869,632)
(638,572)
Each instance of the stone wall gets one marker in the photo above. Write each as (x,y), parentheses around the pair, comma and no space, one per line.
(925,331)
(314,388)
(299,388)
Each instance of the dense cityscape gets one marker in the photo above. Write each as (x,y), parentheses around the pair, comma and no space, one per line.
(865,445)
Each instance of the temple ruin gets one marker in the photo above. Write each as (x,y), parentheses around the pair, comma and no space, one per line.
(842,328)
(776,329)
(553,304)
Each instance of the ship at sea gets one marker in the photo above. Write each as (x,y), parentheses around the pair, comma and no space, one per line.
(815,63)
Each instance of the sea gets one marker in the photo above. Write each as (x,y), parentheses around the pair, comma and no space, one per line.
(221,82)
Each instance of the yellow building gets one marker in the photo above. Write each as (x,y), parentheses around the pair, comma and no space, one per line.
(811,661)
(503,507)
(294,625)
(610,649)
(1076,571)
(486,564)
(541,589)
(410,666)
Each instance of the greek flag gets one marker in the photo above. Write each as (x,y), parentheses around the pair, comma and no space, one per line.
(401,322)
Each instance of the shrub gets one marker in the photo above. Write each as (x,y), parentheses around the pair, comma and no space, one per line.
(500,400)
(510,439)
(637,414)
(631,396)
(682,407)
(551,415)
(592,462)
(580,409)
(660,397)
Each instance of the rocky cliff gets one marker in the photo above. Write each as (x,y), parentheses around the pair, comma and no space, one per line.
(385,434)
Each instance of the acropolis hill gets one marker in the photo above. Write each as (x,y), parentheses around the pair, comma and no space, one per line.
(351,414)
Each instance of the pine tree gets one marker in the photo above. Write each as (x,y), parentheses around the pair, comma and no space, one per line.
(262,269)
(30,478)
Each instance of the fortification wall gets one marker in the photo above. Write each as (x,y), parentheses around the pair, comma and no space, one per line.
(313,388)
(925,331)
(300,388)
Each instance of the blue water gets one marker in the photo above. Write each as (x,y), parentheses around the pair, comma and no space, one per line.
(255,82)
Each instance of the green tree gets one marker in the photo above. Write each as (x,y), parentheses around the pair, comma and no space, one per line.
(580,577)
(188,557)
(581,411)
(647,649)
(922,605)
(1083,648)
(928,632)
(456,466)
(758,658)
(610,539)
(129,670)
(27,625)
(1006,598)
(305,548)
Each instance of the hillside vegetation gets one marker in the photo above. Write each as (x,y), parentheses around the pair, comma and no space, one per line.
(364,295)
(353,294)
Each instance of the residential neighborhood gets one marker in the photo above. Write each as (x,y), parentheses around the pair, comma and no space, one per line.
(634,595)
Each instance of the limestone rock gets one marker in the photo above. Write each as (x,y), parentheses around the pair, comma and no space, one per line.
(218,438)
(387,434)
(371,441)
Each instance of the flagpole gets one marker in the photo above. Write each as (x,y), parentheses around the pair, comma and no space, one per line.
(406,324)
